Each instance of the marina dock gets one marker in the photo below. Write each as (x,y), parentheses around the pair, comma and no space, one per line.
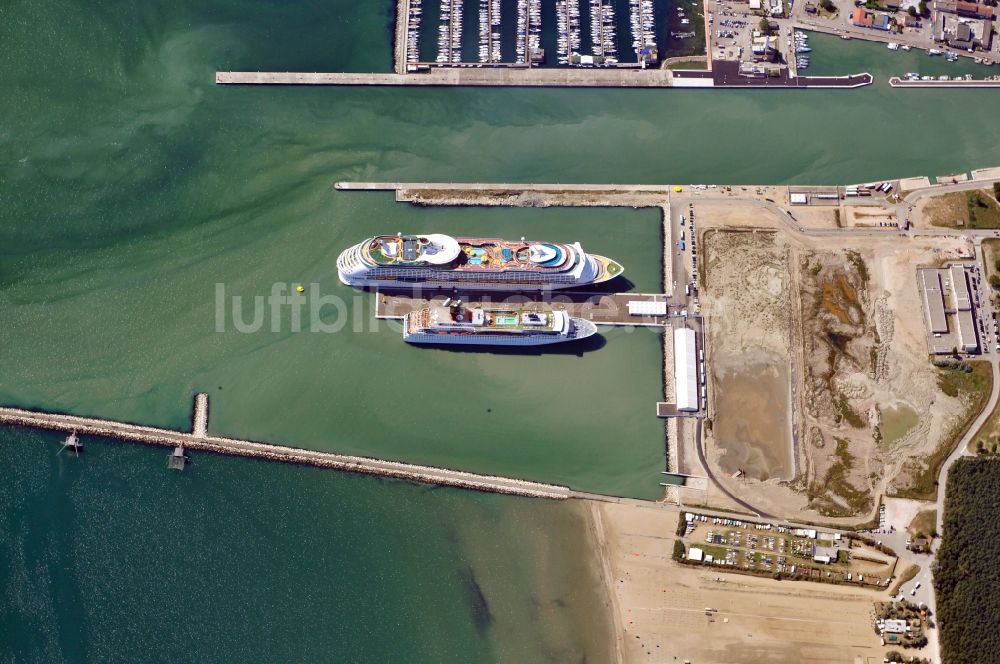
(185,441)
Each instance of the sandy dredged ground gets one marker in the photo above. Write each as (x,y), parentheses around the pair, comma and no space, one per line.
(760,287)
(867,216)
(660,605)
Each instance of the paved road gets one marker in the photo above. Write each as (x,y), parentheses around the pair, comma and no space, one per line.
(699,445)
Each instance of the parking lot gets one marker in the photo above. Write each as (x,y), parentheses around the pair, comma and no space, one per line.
(733,26)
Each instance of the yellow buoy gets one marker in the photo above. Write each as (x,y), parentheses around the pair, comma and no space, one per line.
(300,288)
(678,190)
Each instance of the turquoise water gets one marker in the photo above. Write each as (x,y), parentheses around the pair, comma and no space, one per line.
(132,185)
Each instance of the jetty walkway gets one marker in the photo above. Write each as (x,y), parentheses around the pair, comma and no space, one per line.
(198,439)
(479,75)
(472,75)
(599,308)
(898,82)
(486,186)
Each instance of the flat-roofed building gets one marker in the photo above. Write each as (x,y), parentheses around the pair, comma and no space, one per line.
(685,369)
(895,626)
(966,332)
(964,8)
(960,288)
(934,301)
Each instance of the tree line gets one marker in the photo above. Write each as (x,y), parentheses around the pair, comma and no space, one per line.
(967,573)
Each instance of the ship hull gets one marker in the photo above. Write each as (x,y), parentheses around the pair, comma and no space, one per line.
(581,329)
(351,273)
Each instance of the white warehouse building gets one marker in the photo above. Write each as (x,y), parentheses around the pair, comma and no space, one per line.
(685,369)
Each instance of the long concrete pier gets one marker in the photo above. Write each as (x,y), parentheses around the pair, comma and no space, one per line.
(505,187)
(136,433)
(486,75)
(898,82)
(472,75)
(599,308)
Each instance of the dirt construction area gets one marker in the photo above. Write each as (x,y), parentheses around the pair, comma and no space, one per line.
(823,340)
(662,615)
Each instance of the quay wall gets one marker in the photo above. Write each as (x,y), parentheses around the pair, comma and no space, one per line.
(399,44)
(279,453)
(470,76)
(477,76)
(478,188)
(897,82)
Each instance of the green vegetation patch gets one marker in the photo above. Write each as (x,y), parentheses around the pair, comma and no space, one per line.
(991,253)
(693,63)
(967,575)
(970,209)
(983,209)
(836,482)
(923,524)
(948,210)
(971,382)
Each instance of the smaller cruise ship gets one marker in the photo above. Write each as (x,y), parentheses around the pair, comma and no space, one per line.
(492,325)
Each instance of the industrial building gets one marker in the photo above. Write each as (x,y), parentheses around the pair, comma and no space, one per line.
(960,289)
(934,301)
(951,321)
(967,340)
(685,369)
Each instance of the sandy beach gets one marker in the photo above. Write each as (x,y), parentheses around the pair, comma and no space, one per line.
(660,605)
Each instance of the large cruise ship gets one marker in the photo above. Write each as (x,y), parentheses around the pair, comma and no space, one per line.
(441,261)
(492,325)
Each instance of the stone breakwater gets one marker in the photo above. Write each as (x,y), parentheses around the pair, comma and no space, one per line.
(279,453)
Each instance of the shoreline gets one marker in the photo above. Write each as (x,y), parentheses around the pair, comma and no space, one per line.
(599,545)
(666,611)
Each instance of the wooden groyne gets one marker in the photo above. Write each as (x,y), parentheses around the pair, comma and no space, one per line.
(135,433)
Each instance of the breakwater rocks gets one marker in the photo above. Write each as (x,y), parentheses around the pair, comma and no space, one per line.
(279,453)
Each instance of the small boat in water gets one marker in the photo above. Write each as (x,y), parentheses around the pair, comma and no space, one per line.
(934,51)
(803,49)
(892,46)
(905,47)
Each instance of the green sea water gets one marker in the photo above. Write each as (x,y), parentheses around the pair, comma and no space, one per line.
(130,186)
(112,557)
